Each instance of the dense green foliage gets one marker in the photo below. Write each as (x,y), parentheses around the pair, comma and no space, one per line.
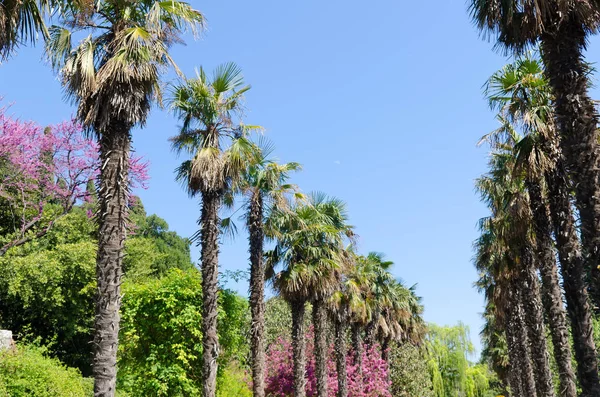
(26,371)
(409,372)
(47,286)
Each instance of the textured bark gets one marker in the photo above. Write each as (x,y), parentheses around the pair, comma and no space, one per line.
(371,330)
(209,237)
(299,347)
(385,348)
(340,356)
(522,361)
(257,293)
(320,324)
(514,376)
(577,122)
(112,199)
(551,292)
(573,274)
(534,320)
(357,347)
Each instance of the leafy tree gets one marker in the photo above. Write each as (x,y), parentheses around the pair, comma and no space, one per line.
(44,173)
(47,285)
(113,76)
(409,372)
(220,153)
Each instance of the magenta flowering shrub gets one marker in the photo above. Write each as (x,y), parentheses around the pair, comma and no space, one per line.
(279,380)
(53,165)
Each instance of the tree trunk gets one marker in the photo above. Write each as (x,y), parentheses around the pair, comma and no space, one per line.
(320,324)
(113,195)
(257,293)
(340,355)
(357,346)
(534,319)
(551,292)
(514,375)
(577,122)
(385,348)
(573,274)
(299,346)
(209,228)
(521,358)
(371,329)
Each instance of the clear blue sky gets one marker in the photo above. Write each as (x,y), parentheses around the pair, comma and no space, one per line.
(381,102)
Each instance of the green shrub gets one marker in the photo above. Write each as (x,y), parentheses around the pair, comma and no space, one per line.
(233,382)
(28,372)
(160,347)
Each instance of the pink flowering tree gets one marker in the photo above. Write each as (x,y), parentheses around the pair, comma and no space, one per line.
(43,174)
(279,381)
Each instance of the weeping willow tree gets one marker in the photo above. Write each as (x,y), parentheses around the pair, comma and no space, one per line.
(452,373)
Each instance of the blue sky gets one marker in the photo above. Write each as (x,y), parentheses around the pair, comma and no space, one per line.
(382,104)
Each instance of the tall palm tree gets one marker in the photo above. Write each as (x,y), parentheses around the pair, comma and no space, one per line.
(309,246)
(517,91)
(20,22)
(113,76)
(265,189)
(521,90)
(219,154)
(562,27)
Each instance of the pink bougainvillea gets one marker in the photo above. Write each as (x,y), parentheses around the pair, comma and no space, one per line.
(279,381)
(39,166)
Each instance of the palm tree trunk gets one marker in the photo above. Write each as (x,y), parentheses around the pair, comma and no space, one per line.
(577,124)
(299,346)
(521,354)
(209,222)
(371,330)
(385,348)
(514,375)
(257,293)
(357,345)
(113,195)
(551,292)
(573,274)
(534,319)
(340,355)
(320,324)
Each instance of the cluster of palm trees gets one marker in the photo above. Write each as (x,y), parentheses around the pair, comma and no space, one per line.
(543,192)
(113,75)
(312,258)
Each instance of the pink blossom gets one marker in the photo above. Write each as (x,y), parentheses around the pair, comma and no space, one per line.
(279,381)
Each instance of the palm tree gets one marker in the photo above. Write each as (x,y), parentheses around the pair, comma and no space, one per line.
(113,76)
(381,292)
(265,189)
(219,154)
(507,198)
(20,21)
(522,91)
(309,246)
(562,27)
(515,92)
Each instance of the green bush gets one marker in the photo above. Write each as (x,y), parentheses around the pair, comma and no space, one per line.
(160,347)
(28,372)
(233,382)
